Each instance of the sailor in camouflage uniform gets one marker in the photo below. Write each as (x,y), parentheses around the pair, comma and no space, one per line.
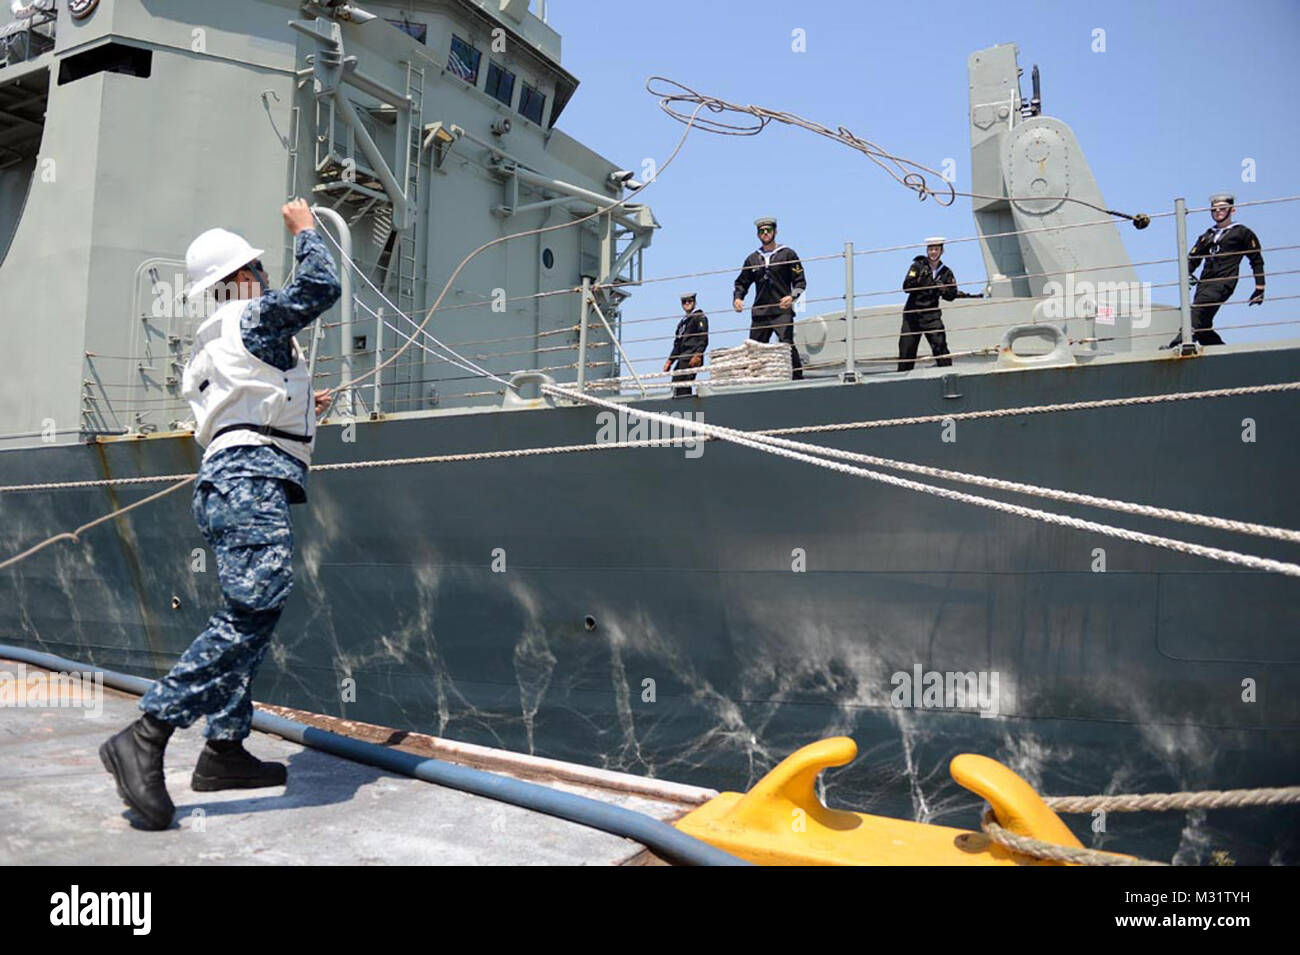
(255,414)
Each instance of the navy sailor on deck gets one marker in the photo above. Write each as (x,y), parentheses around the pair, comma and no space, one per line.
(255,414)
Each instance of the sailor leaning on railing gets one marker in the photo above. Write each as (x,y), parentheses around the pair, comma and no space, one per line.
(255,414)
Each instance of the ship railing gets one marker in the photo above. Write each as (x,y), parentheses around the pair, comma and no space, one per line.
(627,356)
(624,354)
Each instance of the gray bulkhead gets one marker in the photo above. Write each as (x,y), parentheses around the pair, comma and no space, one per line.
(180,115)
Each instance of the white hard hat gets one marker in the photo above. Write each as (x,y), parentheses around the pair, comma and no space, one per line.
(214,255)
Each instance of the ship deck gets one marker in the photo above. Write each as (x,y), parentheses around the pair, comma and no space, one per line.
(59,807)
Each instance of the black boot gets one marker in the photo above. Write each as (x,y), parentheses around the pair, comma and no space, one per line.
(135,758)
(225,764)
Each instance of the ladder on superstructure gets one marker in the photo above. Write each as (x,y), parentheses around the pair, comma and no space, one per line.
(409,283)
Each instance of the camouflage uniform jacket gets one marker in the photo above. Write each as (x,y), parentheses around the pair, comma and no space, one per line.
(267,325)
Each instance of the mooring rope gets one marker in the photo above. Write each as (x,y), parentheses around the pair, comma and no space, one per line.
(747,439)
(764,432)
(73,535)
(1054,852)
(822,456)
(1140,802)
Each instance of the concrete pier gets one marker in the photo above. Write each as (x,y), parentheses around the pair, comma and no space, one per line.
(58,805)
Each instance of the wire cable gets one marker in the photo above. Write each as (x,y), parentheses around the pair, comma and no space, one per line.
(907,172)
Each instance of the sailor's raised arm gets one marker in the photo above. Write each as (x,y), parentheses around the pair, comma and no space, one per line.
(315,285)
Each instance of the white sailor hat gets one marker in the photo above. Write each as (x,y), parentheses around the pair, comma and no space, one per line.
(765,220)
(1227,197)
(688,296)
(935,240)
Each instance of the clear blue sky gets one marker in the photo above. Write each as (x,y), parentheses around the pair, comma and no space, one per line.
(1182,94)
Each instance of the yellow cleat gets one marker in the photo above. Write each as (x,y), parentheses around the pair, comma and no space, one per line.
(782,822)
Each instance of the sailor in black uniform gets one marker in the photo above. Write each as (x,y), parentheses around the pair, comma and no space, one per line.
(1221,247)
(777,275)
(927,280)
(689,344)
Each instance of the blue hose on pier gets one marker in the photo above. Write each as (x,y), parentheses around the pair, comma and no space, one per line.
(658,836)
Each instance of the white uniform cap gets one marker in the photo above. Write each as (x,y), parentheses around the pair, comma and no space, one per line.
(936,240)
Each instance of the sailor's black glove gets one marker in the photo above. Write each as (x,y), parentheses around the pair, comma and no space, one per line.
(1257,298)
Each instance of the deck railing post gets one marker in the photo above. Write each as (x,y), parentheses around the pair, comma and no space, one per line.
(1184,286)
(850,344)
(582,333)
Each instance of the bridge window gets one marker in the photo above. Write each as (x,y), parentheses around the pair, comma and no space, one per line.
(109,58)
(463,60)
(532,103)
(501,83)
(419,31)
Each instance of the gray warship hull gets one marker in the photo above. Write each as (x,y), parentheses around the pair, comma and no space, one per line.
(527,601)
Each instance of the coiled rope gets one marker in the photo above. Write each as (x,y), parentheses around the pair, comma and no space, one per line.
(750,120)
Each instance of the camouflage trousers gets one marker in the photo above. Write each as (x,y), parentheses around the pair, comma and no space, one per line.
(246,522)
